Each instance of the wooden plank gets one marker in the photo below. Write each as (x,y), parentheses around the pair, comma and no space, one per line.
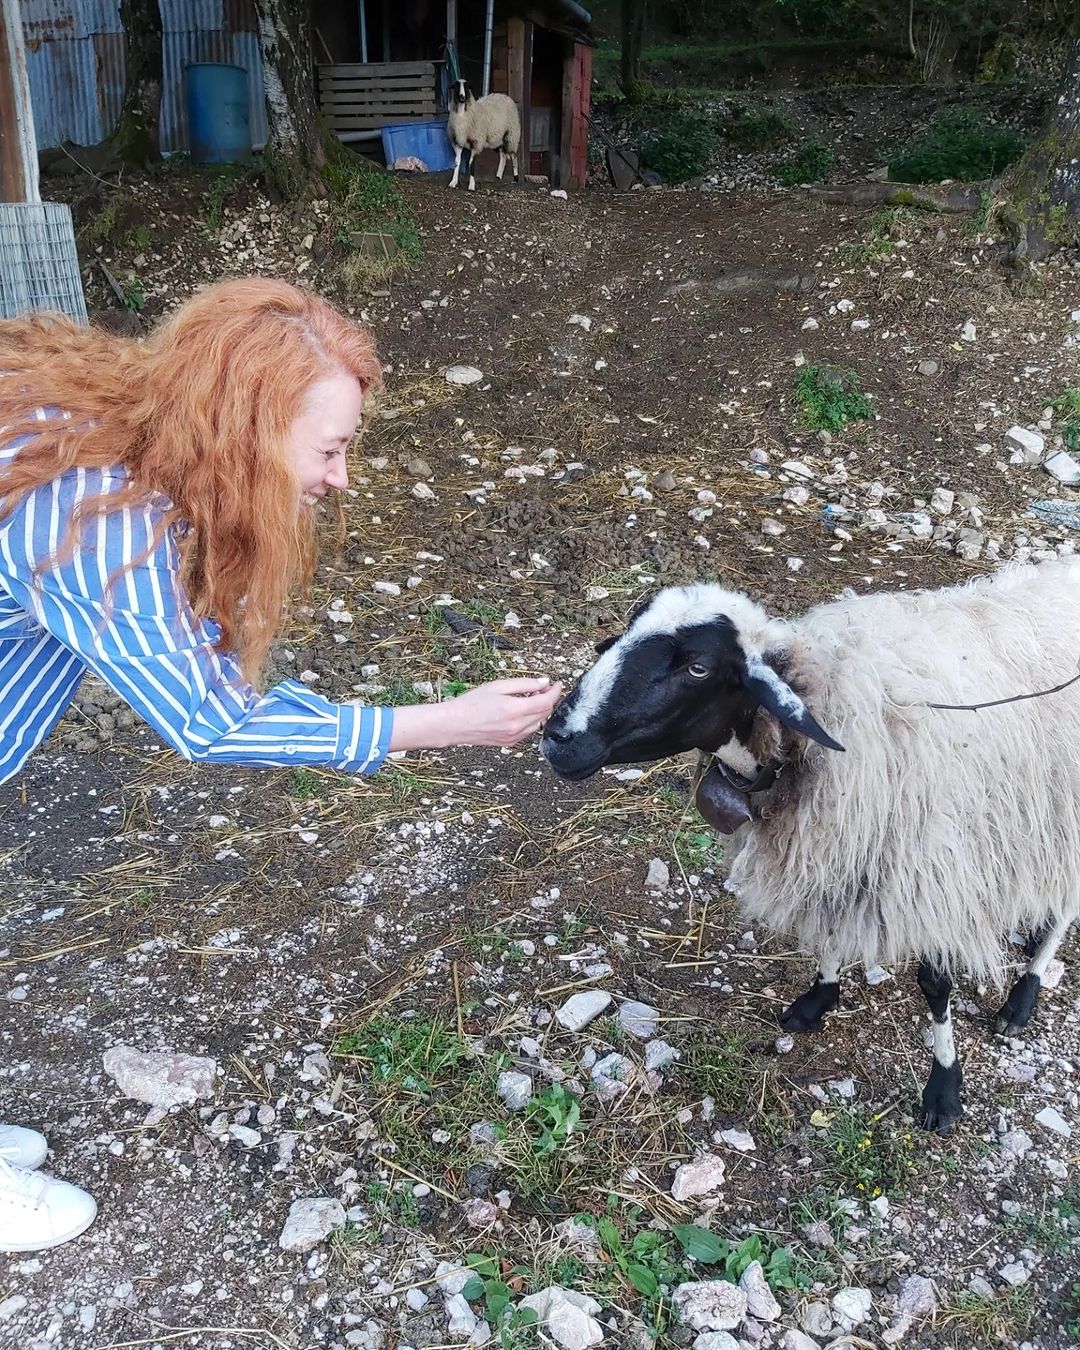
(18,147)
(364,99)
(526,97)
(382,68)
(569,94)
(377,82)
(579,134)
(373,123)
(337,116)
(347,90)
(515,59)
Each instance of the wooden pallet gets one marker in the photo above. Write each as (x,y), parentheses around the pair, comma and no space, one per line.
(357,100)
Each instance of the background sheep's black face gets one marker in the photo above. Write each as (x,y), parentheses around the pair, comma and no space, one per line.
(461,92)
(651,695)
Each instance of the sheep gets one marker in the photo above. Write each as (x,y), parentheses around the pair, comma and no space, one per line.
(489,123)
(904,832)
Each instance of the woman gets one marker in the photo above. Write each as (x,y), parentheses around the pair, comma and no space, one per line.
(156,514)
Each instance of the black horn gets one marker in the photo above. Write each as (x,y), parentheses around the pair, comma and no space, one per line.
(777,697)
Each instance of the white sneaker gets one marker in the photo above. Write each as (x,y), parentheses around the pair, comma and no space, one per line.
(38,1211)
(22,1148)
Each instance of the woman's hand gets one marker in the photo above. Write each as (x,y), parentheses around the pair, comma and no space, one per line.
(499,714)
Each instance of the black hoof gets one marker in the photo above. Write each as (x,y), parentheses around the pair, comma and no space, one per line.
(1019,1008)
(806,1013)
(941,1107)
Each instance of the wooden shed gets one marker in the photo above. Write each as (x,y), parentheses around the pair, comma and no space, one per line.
(388,61)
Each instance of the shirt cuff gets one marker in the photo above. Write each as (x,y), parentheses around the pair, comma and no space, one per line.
(363,737)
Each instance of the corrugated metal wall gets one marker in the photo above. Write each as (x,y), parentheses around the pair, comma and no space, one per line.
(76,65)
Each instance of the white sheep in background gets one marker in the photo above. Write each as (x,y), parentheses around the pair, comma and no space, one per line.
(489,123)
(937,832)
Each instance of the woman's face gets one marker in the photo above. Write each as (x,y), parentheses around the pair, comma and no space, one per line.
(321,432)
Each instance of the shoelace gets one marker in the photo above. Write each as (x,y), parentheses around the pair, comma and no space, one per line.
(19,1181)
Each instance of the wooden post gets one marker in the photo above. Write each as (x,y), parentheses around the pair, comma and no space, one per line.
(386,30)
(18,143)
(526,98)
(569,89)
(451,21)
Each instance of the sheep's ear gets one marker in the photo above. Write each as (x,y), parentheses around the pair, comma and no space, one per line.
(777,697)
(602,646)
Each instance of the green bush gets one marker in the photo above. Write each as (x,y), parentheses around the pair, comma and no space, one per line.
(679,144)
(753,129)
(960,144)
(809,164)
(829,398)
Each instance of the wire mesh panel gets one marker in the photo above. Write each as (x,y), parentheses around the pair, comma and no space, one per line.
(39,267)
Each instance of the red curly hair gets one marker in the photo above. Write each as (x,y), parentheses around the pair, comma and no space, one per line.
(201,412)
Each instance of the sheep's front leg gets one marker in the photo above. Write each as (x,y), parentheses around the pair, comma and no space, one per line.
(472,160)
(502,164)
(1018,1008)
(457,166)
(941,1095)
(806,1012)
(514,166)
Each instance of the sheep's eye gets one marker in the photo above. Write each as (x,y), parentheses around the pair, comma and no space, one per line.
(698,671)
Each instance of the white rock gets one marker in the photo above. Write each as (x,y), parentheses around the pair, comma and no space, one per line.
(422,492)
(700,1177)
(11,1306)
(566,1316)
(809,325)
(1029,443)
(860,325)
(795,1340)
(710,1305)
(877,975)
(612,1073)
(416,1299)
(773,528)
(582,1008)
(1053,1120)
(452,1277)
(463,375)
(1063,467)
(816,1320)
(716,1340)
(658,1055)
(967,333)
(462,1318)
(1015,1273)
(560,194)
(928,367)
(784,1045)
(739,1140)
(1016,1144)
(941,501)
(1051,976)
(386,587)
(638,1019)
(580,321)
(243,1134)
(309,1222)
(658,877)
(193,1290)
(917,1297)
(760,1301)
(515,1089)
(160,1077)
(853,1305)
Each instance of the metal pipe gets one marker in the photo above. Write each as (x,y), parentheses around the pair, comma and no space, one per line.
(363,31)
(489,24)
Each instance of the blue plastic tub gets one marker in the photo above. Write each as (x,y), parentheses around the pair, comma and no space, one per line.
(219,127)
(428,141)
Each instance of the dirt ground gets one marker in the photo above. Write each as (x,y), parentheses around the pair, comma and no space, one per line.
(639,356)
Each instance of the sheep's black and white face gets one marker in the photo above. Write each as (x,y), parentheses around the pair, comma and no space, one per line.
(678,679)
(672,682)
(461,93)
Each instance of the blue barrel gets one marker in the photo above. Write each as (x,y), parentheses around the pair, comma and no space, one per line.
(219,128)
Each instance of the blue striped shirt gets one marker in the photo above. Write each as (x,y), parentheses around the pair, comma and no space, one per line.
(144,641)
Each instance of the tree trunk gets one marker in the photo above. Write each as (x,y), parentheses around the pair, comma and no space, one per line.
(1038,199)
(633,34)
(135,139)
(295,151)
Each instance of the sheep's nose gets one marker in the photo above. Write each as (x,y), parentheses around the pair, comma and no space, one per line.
(555,727)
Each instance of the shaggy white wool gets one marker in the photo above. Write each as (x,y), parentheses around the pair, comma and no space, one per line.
(937,832)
